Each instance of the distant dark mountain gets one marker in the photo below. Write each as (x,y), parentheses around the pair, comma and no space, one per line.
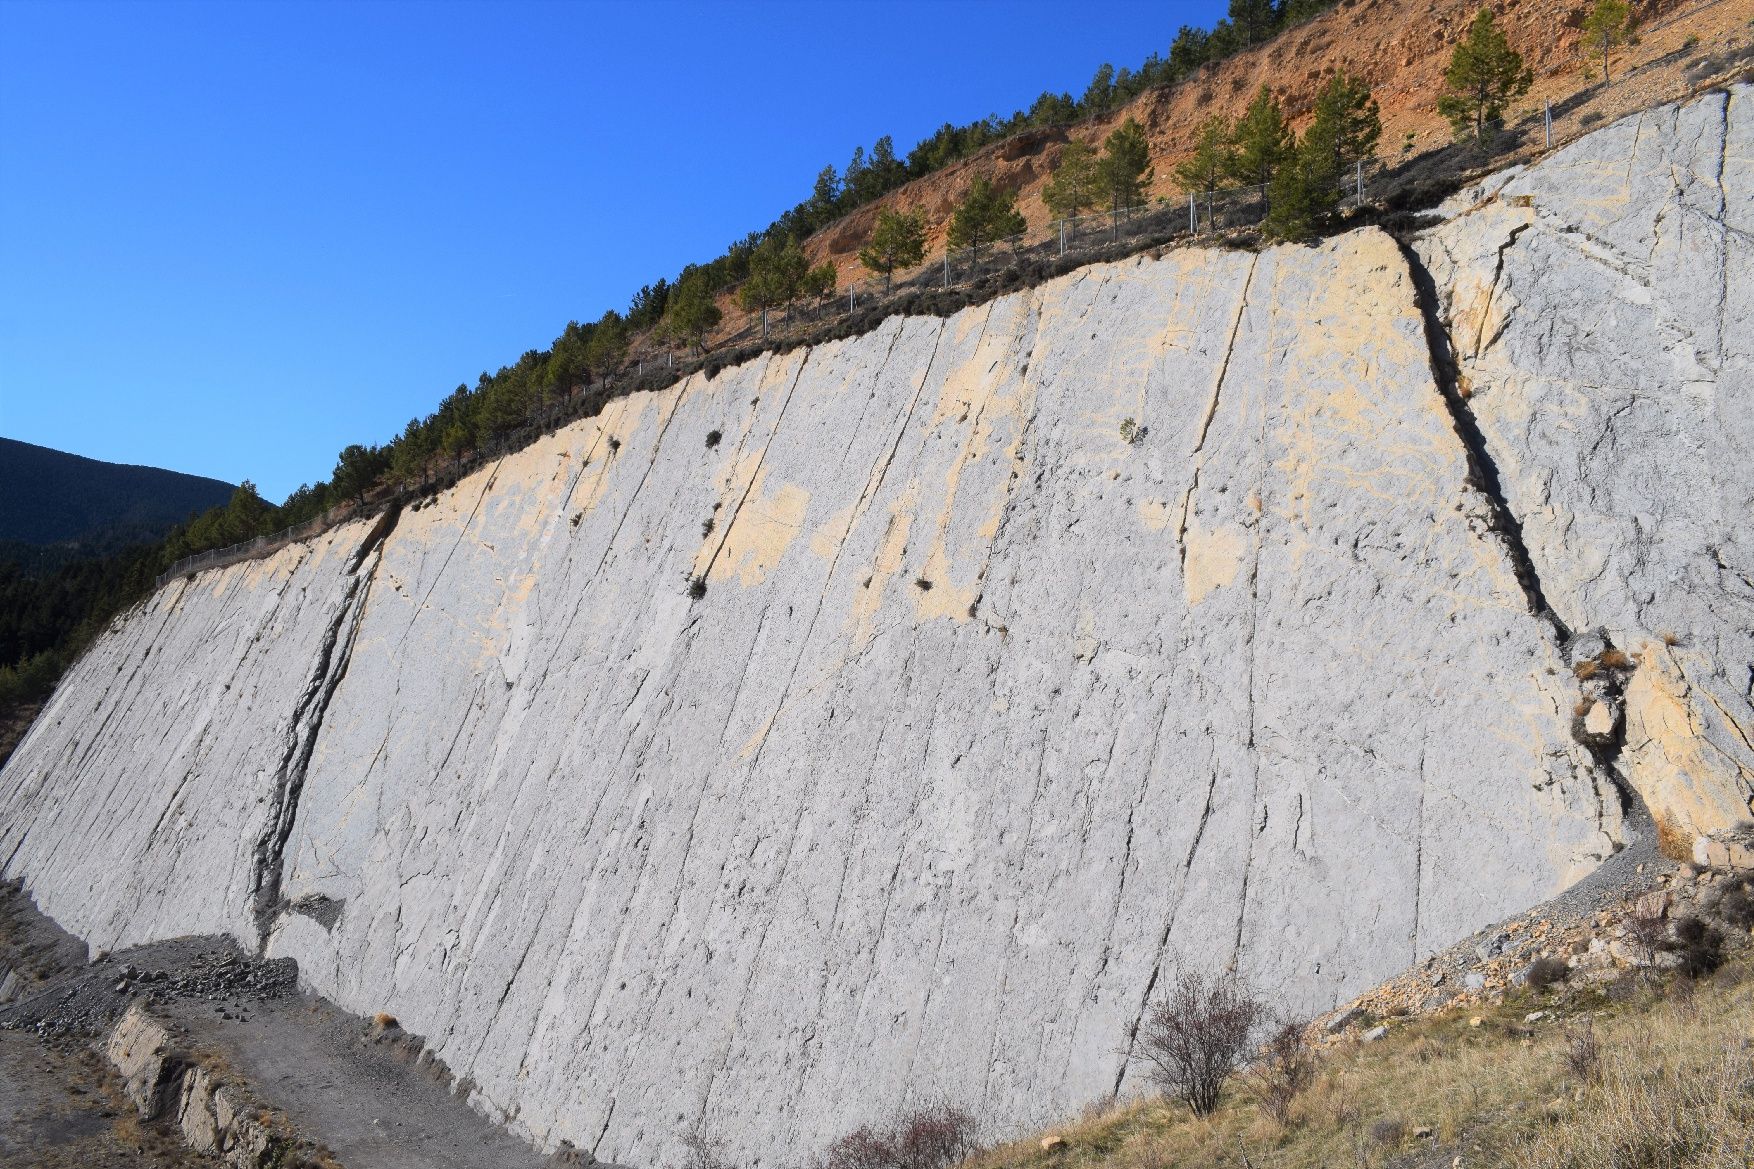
(55,506)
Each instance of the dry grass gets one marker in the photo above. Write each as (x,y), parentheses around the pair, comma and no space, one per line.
(1678,1091)
(1673,1088)
(1615,659)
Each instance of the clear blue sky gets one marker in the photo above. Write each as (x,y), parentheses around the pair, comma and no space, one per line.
(235,237)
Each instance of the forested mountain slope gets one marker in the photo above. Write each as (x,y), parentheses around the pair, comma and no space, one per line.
(49,497)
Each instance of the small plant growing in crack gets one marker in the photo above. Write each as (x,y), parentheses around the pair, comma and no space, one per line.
(712,439)
(924,585)
(1132,433)
(696,587)
(614,444)
(576,517)
(707,526)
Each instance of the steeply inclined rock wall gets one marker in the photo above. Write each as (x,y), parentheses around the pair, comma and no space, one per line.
(989,720)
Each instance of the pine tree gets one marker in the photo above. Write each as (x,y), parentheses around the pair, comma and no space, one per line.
(818,283)
(1606,28)
(607,348)
(454,441)
(1124,170)
(1204,171)
(825,198)
(647,306)
(1190,49)
(1053,109)
(1253,20)
(898,241)
(1260,144)
(885,172)
(1075,185)
(1100,93)
(693,313)
(776,269)
(854,185)
(1484,76)
(356,470)
(1305,193)
(1349,122)
(984,215)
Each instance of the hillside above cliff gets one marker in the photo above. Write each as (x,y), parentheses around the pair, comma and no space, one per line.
(1399,48)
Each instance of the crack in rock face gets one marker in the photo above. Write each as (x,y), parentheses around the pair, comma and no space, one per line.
(1609,289)
(975,716)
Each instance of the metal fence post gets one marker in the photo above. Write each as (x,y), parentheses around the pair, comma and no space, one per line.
(1361,182)
(1547,117)
(946,266)
(1193,215)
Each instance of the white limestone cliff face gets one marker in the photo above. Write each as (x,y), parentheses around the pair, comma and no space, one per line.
(989,720)
(1602,309)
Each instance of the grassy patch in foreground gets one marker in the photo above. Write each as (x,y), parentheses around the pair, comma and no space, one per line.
(1667,1083)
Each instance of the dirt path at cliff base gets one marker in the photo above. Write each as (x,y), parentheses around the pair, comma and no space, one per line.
(364,1093)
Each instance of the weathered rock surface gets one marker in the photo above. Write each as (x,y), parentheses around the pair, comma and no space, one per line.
(988,719)
(1602,310)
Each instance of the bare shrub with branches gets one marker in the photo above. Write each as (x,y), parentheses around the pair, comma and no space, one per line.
(1646,933)
(1197,1036)
(1285,1066)
(932,1136)
(1583,1054)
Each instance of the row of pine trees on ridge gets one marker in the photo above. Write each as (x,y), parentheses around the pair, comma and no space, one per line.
(1301,180)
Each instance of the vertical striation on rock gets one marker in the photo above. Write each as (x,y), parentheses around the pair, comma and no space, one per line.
(903,741)
(1601,311)
(134,804)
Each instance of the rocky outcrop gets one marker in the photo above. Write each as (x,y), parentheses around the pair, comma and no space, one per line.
(889,720)
(1602,310)
(214,1115)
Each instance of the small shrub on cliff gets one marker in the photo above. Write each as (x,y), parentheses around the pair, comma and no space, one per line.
(1197,1036)
(1699,945)
(1546,972)
(1736,906)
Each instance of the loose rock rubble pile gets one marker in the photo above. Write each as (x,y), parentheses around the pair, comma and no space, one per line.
(1681,919)
(81,1004)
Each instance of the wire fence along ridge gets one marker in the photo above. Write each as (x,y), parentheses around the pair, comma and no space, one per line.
(1096,235)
